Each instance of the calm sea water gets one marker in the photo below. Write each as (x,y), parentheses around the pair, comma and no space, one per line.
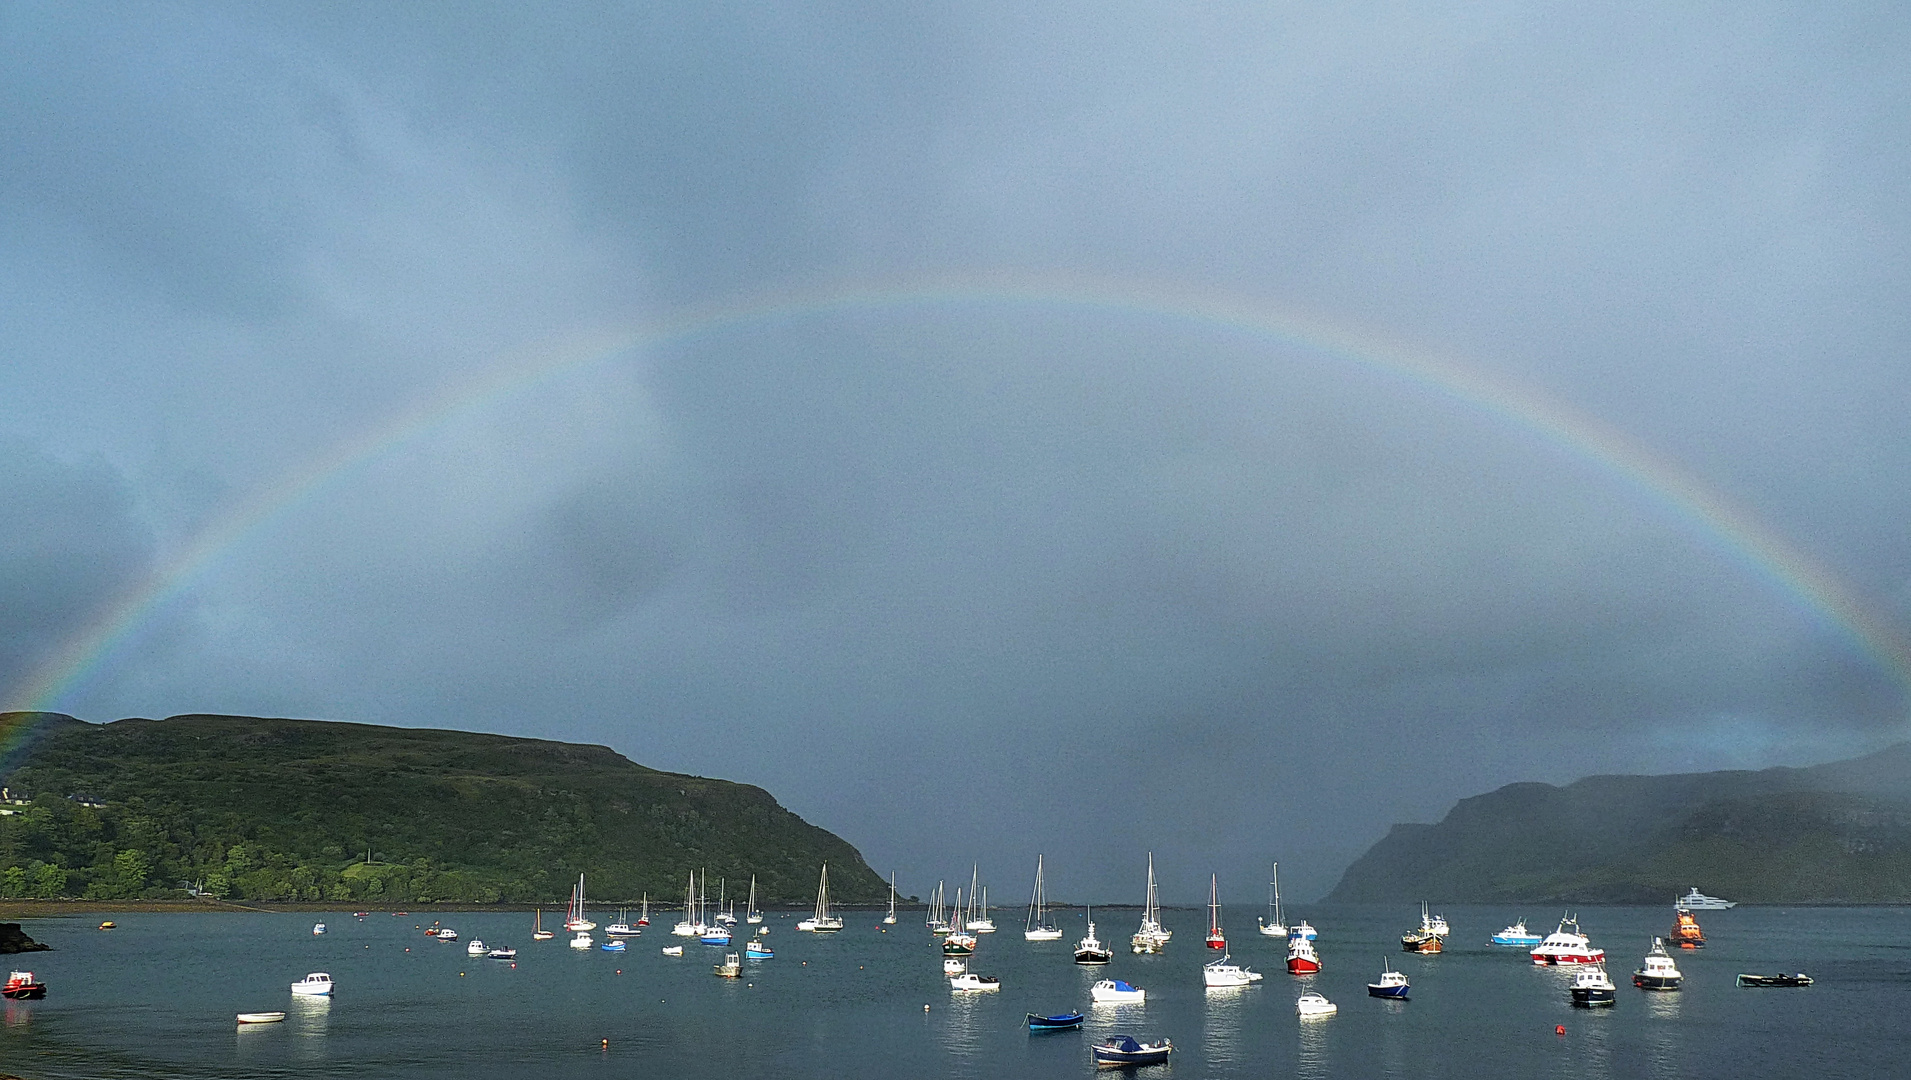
(156,998)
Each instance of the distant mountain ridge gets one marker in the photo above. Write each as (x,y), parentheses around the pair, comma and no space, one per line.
(280,809)
(1833,833)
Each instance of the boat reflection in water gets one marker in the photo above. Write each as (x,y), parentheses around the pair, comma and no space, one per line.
(1223,1022)
(1315,1059)
(307,1020)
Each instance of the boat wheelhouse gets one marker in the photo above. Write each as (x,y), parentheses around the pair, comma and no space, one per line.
(1566,947)
(1686,933)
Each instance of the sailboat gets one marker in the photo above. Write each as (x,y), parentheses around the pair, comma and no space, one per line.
(574,919)
(823,922)
(1038,927)
(750,914)
(960,942)
(643,917)
(980,924)
(1216,939)
(890,919)
(690,926)
(538,933)
(938,917)
(726,909)
(1152,936)
(1274,928)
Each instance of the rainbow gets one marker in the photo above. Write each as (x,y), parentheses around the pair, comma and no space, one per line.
(1729,529)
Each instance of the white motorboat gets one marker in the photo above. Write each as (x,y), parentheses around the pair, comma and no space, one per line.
(1115,991)
(954,965)
(1312,1004)
(1698,901)
(1038,928)
(504,953)
(317,984)
(1151,936)
(1225,972)
(822,922)
(1273,926)
(574,918)
(317,929)
(1658,972)
(673,950)
(969,980)
(446,934)
(582,940)
(261,1017)
(476,947)
(1567,947)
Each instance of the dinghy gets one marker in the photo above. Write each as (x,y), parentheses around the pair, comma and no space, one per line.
(1127,1050)
(261,1017)
(1058,1022)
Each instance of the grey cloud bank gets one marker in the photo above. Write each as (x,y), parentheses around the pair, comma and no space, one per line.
(968,578)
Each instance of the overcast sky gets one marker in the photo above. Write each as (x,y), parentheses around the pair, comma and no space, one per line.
(969,578)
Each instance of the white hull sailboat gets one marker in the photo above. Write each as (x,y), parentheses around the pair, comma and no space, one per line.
(938,914)
(574,919)
(890,919)
(538,933)
(1152,936)
(692,925)
(1274,926)
(750,914)
(1038,927)
(822,922)
(978,924)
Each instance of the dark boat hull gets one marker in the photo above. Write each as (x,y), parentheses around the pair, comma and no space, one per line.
(1774,980)
(1656,982)
(1395,993)
(1068,1022)
(1590,998)
(26,993)
(1119,1058)
(1093,957)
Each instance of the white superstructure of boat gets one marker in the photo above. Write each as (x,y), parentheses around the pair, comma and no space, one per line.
(1698,901)
(1225,972)
(317,984)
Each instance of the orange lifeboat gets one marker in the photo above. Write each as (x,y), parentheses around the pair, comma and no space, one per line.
(1685,931)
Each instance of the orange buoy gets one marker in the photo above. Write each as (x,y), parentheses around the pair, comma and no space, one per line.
(1559,1029)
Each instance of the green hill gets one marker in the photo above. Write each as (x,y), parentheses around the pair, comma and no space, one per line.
(1836,833)
(269,809)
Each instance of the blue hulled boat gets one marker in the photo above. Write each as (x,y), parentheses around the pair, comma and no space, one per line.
(612,946)
(1125,1050)
(758,949)
(1060,1022)
(1392,984)
(1518,936)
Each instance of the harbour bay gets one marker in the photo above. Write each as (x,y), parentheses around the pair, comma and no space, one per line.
(156,997)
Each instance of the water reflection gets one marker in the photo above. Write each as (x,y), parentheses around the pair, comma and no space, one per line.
(306,1021)
(18,1013)
(959,1029)
(1222,1023)
(1314,1061)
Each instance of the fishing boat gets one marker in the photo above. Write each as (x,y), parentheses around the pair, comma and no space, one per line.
(446,934)
(1038,928)
(1127,1050)
(538,933)
(643,913)
(715,935)
(1392,984)
(978,923)
(1566,947)
(504,953)
(614,945)
(969,980)
(731,968)
(1151,937)
(1437,924)
(1425,939)
(1273,926)
(1698,901)
(889,919)
(261,1017)
(317,984)
(673,950)
(1090,950)
(1226,973)
(1216,939)
(1059,1022)
(622,927)
(574,919)
(1116,991)
(750,914)
(1592,987)
(822,922)
(22,986)
(1685,930)
(1658,972)
(758,949)
(582,940)
(317,929)
(1302,959)
(1800,979)
(1517,935)
(476,947)
(1313,1004)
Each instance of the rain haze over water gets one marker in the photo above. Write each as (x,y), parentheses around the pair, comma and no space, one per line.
(991,428)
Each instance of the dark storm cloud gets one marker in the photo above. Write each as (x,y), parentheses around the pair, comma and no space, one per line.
(967,580)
